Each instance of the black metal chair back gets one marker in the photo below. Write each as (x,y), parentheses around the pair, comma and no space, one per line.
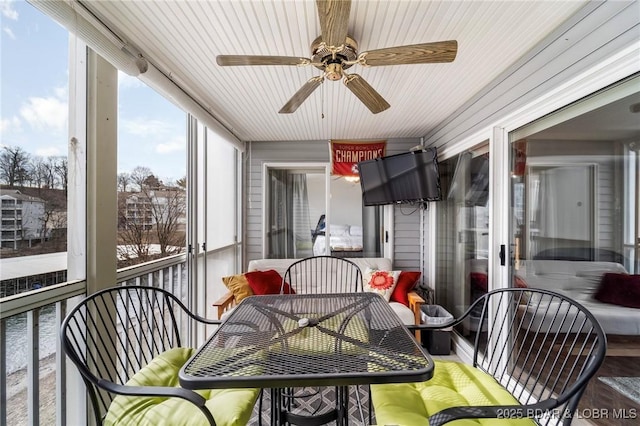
(113,333)
(323,275)
(540,345)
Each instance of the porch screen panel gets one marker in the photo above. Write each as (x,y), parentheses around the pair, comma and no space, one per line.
(221,192)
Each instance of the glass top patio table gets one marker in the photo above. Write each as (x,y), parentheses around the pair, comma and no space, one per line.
(277,341)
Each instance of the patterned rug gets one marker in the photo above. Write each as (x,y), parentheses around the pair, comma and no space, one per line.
(628,386)
(320,401)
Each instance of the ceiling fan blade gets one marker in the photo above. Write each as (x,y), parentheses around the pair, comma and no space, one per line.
(366,93)
(424,53)
(334,20)
(301,95)
(239,60)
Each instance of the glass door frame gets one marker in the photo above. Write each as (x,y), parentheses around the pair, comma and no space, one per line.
(316,166)
(386,232)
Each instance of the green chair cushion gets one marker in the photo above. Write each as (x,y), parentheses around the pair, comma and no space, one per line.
(453,384)
(229,407)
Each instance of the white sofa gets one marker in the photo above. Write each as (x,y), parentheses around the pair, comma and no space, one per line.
(408,315)
(578,280)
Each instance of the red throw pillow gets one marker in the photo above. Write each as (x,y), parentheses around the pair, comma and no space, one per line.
(406,282)
(519,282)
(479,281)
(267,282)
(619,289)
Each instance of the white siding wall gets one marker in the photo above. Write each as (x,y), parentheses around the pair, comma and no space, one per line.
(590,37)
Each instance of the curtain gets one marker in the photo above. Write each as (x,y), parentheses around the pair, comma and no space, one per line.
(289,231)
(301,222)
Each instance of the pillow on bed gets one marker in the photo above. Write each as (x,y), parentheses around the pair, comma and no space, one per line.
(407,280)
(355,230)
(381,282)
(267,282)
(339,230)
(619,289)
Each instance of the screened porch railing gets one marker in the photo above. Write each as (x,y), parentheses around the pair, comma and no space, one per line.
(32,369)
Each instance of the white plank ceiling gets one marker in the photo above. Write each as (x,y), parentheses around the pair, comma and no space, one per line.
(182,38)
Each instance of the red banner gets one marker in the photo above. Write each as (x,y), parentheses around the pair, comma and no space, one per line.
(345,155)
(520,157)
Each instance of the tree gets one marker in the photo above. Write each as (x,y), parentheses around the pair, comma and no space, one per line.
(14,165)
(38,172)
(168,212)
(182,182)
(135,234)
(61,170)
(49,173)
(139,175)
(124,180)
(151,216)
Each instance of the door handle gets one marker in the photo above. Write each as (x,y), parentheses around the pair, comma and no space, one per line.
(502,254)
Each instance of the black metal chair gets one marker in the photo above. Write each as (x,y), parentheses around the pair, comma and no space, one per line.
(115,333)
(538,345)
(320,275)
(323,275)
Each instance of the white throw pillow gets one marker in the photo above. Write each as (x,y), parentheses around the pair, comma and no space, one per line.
(381,282)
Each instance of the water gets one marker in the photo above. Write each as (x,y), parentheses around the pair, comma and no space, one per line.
(17,338)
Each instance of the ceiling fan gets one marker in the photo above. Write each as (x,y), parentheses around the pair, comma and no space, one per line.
(334,51)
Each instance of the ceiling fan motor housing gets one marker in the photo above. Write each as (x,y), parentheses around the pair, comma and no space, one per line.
(333,60)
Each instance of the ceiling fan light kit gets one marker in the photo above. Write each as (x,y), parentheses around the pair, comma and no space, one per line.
(334,51)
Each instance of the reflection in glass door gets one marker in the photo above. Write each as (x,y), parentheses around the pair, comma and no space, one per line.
(289,228)
(463,231)
(309,214)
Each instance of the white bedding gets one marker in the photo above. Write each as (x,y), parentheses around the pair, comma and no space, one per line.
(343,238)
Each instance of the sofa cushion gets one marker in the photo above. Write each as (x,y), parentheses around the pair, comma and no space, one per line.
(228,406)
(238,285)
(267,282)
(406,282)
(620,289)
(479,281)
(405,314)
(519,282)
(453,384)
(380,281)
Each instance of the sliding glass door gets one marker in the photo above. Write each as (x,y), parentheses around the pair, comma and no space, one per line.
(291,207)
(463,231)
(307,212)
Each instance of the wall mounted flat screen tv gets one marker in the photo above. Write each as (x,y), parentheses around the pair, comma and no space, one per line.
(403,178)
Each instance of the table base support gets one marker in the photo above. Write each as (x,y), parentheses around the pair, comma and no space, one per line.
(281,416)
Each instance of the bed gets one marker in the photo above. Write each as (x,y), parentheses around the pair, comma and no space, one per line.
(344,238)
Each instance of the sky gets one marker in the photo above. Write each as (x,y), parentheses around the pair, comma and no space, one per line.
(34,99)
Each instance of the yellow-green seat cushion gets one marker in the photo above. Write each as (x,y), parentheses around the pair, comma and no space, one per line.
(312,340)
(454,384)
(228,406)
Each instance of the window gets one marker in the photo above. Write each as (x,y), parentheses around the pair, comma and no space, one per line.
(152,201)
(33,154)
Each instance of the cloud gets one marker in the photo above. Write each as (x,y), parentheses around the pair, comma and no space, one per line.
(176,144)
(12,124)
(7,10)
(48,113)
(50,151)
(145,127)
(10,33)
(125,81)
